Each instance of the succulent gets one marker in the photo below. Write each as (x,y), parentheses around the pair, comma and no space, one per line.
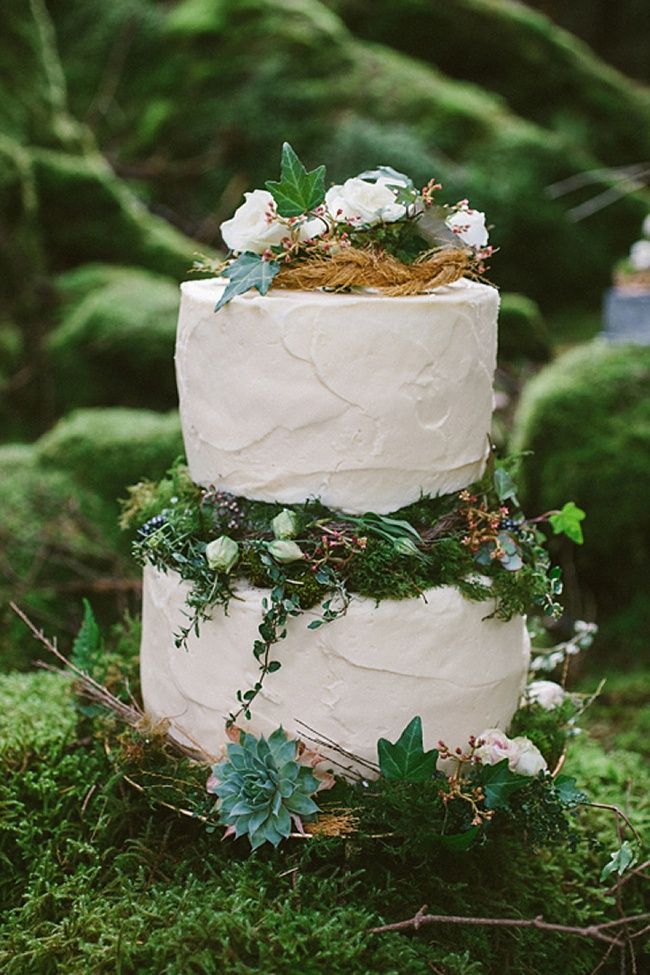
(262,789)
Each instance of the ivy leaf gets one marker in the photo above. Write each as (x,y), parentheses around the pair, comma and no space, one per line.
(246,272)
(619,861)
(297,191)
(567,791)
(499,783)
(406,758)
(504,485)
(567,522)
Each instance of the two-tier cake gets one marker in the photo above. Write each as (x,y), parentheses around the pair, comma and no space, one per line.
(368,403)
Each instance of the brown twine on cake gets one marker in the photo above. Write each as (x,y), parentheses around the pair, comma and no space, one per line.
(354,267)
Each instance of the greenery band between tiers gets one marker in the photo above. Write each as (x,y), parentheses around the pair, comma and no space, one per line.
(476,540)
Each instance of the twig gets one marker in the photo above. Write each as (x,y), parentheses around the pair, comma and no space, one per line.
(629,874)
(134,716)
(595,932)
(617,812)
(321,739)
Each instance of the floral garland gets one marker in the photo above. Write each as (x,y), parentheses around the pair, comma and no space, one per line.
(374,230)
(477,540)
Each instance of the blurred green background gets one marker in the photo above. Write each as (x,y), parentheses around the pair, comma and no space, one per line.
(129,129)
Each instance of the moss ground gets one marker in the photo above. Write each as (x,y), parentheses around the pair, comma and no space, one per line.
(95,881)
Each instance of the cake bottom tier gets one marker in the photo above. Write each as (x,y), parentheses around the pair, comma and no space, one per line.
(354,680)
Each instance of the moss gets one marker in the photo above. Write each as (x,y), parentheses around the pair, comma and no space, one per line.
(56,540)
(620,716)
(586,418)
(522,55)
(36,716)
(94,880)
(115,339)
(378,574)
(107,449)
(522,331)
(86,213)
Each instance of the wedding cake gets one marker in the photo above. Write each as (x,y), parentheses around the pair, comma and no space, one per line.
(360,400)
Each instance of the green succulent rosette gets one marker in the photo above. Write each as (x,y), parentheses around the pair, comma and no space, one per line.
(263,791)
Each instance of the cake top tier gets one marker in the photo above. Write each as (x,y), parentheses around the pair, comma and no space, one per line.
(364,401)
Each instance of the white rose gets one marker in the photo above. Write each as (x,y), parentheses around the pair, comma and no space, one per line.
(546,693)
(253,227)
(363,204)
(496,746)
(640,255)
(523,757)
(469,226)
(527,758)
(311,228)
(645,226)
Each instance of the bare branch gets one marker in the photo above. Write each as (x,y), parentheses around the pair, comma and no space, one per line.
(596,932)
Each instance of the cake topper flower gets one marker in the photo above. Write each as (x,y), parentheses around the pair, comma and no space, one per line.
(376,230)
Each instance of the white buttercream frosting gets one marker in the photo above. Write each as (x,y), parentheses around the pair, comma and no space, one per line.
(359,678)
(364,401)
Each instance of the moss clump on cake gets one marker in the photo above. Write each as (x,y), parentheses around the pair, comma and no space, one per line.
(586,419)
(115,338)
(105,449)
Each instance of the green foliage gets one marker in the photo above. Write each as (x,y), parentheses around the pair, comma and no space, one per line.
(298,191)
(246,272)
(599,463)
(406,758)
(567,522)
(620,861)
(56,539)
(537,812)
(87,646)
(581,94)
(263,790)
(523,335)
(105,449)
(500,784)
(36,716)
(115,339)
(354,103)
(119,869)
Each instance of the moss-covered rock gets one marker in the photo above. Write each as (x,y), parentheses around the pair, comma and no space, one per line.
(58,542)
(106,449)
(115,339)
(542,72)
(586,418)
(523,335)
(315,85)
